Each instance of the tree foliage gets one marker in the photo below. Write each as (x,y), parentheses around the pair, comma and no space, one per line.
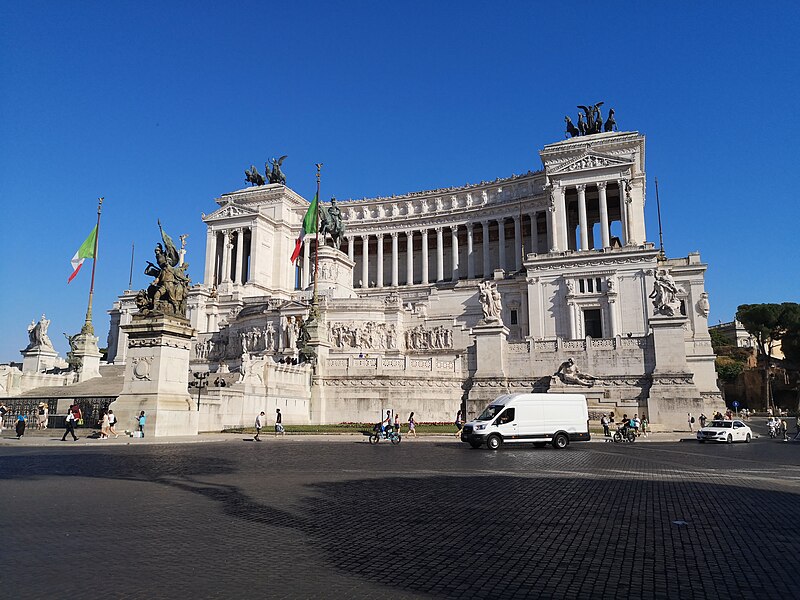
(768,323)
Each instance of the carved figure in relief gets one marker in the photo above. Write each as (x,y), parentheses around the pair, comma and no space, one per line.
(664,295)
(703,306)
(611,285)
(568,373)
(570,285)
(291,333)
(270,336)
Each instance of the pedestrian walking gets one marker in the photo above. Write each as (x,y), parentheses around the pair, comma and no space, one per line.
(259,424)
(21,422)
(397,423)
(604,422)
(141,420)
(412,425)
(459,423)
(104,425)
(279,422)
(690,420)
(703,419)
(784,430)
(645,424)
(69,426)
(3,411)
(41,416)
(611,420)
(112,422)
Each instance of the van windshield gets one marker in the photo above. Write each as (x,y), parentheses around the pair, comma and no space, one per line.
(490,413)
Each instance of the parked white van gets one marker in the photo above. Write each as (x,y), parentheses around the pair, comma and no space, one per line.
(539,418)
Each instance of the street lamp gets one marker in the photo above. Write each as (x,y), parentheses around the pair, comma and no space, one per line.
(201,377)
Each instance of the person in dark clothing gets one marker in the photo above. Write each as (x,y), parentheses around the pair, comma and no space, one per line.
(69,427)
(21,422)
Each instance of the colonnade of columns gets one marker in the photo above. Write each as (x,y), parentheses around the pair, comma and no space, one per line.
(228,255)
(454,252)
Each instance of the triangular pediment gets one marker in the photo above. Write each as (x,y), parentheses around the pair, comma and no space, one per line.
(228,211)
(589,161)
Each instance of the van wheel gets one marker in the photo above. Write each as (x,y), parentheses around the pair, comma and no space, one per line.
(494,442)
(539,444)
(475,445)
(560,441)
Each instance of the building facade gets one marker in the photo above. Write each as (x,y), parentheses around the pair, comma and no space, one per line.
(565,246)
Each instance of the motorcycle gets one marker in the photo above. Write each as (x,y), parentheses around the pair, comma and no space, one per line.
(380,433)
(624,434)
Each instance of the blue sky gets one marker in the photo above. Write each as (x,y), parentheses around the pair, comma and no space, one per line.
(160,106)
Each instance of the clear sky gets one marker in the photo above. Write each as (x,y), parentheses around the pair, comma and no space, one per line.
(160,106)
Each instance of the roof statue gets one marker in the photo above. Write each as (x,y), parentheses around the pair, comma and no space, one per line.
(331,222)
(166,294)
(590,121)
(272,173)
(37,334)
(276,175)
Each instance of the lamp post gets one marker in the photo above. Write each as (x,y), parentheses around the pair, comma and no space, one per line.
(201,377)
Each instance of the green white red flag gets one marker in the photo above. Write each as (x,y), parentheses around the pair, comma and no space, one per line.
(309,226)
(85,251)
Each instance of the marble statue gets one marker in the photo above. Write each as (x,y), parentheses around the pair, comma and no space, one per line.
(491,303)
(37,334)
(166,294)
(703,306)
(664,295)
(569,374)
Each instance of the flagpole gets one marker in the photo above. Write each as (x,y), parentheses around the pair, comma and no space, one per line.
(130,278)
(87,326)
(314,300)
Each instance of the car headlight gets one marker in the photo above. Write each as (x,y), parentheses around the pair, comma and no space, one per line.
(480,427)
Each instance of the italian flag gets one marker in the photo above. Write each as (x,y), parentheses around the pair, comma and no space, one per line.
(85,251)
(309,226)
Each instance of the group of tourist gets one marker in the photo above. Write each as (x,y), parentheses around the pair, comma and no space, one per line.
(638,425)
(261,421)
(390,424)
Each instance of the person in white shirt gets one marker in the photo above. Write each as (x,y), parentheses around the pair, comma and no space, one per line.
(259,424)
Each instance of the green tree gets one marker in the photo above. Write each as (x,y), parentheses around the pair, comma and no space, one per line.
(768,323)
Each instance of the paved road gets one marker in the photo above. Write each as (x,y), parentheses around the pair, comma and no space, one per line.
(426,519)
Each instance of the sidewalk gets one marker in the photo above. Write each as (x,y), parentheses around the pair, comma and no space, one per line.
(52,438)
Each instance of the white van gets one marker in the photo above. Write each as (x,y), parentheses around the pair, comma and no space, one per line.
(538,418)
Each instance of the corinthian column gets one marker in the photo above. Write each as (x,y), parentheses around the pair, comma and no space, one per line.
(424,257)
(470,252)
(623,211)
(409,257)
(395,259)
(226,256)
(379,282)
(365,261)
(237,275)
(439,255)
(454,244)
(582,216)
(601,190)
(351,248)
(534,233)
(501,242)
(517,243)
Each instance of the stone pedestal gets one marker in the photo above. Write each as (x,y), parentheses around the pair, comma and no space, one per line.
(489,381)
(38,359)
(335,278)
(157,378)
(673,394)
(86,356)
(316,349)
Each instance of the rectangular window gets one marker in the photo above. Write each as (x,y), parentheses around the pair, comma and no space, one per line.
(581,286)
(593,322)
(590,283)
(514,316)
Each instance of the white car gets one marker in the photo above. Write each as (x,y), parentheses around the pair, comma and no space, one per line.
(725,431)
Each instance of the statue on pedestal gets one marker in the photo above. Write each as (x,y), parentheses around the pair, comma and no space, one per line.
(569,374)
(275,174)
(37,335)
(664,295)
(491,304)
(331,222)
(167,293)
(591,121)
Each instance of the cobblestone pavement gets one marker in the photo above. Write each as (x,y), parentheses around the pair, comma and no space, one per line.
(425,519)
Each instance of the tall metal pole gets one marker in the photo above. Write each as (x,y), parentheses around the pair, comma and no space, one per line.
(130,278)
(314,300)
(661,254)
(87,326)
